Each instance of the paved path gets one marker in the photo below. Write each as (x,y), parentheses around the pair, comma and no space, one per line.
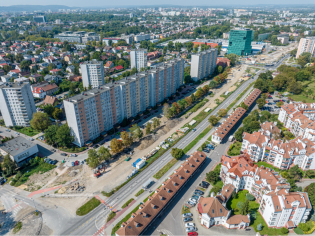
(305,182)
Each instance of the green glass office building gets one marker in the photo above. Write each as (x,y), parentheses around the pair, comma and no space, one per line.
(240,42)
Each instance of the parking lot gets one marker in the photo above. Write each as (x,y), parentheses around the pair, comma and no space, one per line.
(271,104)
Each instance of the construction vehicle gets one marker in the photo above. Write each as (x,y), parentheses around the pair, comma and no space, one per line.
(100,169)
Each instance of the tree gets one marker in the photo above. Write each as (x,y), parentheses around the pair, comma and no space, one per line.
(126,138)
(233,58)
(295,173)
(244,106)
(57,113)
(166,110)
(295,87)
(239,134)
(93,159)
(250,197)
(156,123)
(148,128)
(196,47)
(212,84)
(103,154)
(136,131)
(189,46)
(284,230)
(116,146)
(245,208)
(212,177)
(19,57)
(8,165)
(252,126)
(188,100)
(49,109)
(222,112)
(205,89)
(310,189)
(63,136)
(260,102)
(213,120)
(177,153)
(40,121)
(50,134)
(199,93)
(7,68)
(279,104)
(170,46)
(293,52)
(193,98)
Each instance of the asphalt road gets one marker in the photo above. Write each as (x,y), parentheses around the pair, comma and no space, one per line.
(91,226)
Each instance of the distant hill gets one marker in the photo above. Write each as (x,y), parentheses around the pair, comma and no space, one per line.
(33,8)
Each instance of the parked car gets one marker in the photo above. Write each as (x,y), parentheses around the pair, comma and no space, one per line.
(190,225)
(76,162)
(191,203)
(31,139)
(199,191)
(63,154)
(72,155)
(187,214)
(194,129)
(206,150)
(54,162)
(17,133)
(8,130)
(82,162)
(198,194)
(195,197)
(193,200)
(192,234)
(72,163)
(190,229)
(187,219)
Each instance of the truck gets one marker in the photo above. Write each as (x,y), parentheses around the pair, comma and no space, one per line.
(231,138)
(147,184)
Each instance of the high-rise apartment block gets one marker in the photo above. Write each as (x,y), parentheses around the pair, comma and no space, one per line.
(138,58)
(240,42)
(92,73)
(17,104)
(203,64)
(96,111)
(306,45)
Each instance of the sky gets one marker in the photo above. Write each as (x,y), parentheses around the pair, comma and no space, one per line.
(108,3)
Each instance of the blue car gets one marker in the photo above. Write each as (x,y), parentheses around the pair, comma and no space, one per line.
(210,146)
(72,163)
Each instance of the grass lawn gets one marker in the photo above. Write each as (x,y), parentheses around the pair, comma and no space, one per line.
(301,97)
(139,193)
(26,130)
(241,197)
(265,230)
(17,227)
(265,164)
(127,203)
(87,207)
(235,149)
(196,140)
(162,171)
(111,216)
(185,210)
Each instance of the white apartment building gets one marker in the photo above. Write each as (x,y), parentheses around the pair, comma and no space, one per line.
(299,119)
(306,45)
(203,64)
(92,73)
(98,110)
(254,144)
(141,37)
(138,58)
(285,209)
(17,104)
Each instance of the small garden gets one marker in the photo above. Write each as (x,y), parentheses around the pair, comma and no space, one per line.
(235,149)
(36,165)
(88,206)
(29,131)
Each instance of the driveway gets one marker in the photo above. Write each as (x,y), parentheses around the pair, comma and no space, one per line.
(305,182)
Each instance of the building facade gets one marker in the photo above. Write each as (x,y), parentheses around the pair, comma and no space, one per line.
(92,73)
(138,58)
(17,104)
(240,42)
(306,45)
(203,64)
(77,37)
(96,111)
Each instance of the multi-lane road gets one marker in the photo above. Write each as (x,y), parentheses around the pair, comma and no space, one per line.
(95,219)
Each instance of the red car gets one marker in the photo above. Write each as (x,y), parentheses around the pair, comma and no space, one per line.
(76,163)
(192,234)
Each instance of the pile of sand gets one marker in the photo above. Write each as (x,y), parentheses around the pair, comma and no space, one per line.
(37,180)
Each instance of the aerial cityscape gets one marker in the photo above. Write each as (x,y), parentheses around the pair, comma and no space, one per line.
(138,119)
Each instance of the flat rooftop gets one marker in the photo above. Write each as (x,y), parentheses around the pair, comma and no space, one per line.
(17,145)
(13,85)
